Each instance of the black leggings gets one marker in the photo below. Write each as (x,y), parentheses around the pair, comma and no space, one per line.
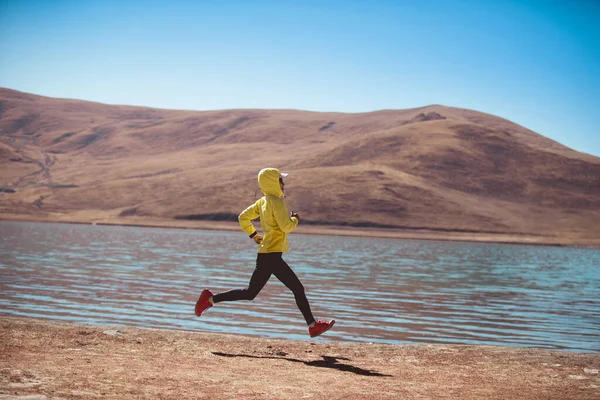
(267,264)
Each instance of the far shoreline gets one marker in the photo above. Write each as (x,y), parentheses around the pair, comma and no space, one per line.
(339,231)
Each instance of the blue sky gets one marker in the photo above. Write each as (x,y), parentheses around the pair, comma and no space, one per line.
(536,63)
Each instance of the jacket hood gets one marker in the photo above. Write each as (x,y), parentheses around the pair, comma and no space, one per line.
(268,181)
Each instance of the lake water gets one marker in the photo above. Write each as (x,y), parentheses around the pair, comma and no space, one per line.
(378,290)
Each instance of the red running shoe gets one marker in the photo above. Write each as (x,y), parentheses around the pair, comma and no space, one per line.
(321,326)
(203,303)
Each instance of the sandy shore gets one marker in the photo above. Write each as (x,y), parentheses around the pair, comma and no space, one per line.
(49,360)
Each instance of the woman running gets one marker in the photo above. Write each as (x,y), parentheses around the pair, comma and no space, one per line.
(275,223)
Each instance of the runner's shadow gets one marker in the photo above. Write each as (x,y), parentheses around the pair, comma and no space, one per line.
(326,362)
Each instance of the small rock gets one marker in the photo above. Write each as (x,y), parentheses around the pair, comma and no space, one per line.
(113,332)
(577,377)
(590,371)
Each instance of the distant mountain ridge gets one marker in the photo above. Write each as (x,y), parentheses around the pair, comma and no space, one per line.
(435,167)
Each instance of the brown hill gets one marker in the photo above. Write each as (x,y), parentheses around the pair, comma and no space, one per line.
(436,168)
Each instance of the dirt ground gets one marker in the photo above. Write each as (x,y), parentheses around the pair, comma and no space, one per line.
(42,359)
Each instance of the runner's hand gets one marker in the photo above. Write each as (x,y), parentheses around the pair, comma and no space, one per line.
(295,214)
(257,239)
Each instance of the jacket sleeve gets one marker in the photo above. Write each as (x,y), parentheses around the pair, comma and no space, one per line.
(282,216)
(246,217)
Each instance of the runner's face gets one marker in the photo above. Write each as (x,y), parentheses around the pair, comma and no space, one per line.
(281,185)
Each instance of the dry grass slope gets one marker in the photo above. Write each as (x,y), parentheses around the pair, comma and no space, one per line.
(435,168)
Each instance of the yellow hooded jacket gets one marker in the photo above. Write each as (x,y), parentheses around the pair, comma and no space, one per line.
(275,220)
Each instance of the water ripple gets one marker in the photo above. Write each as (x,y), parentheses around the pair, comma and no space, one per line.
(379,290)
